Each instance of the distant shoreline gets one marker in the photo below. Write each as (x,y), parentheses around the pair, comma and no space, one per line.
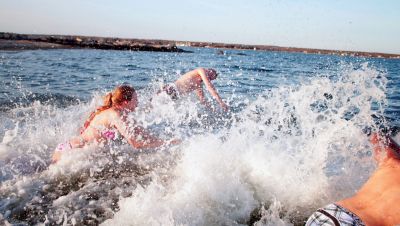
(13,41)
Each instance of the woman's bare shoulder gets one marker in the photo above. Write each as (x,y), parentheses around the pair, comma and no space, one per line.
(112,114)
(106,116)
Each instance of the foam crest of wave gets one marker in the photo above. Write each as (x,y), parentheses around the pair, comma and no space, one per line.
(271,162)
(288,152)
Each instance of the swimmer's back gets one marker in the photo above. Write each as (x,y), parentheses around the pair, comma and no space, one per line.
(101,122)
(188,82)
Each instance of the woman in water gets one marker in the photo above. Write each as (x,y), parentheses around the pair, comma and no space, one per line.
(110,119)
(377,202)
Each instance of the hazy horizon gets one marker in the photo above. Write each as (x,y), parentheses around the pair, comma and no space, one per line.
(366,26)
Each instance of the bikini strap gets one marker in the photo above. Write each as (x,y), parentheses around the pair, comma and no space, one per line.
(91,117)
(335,221)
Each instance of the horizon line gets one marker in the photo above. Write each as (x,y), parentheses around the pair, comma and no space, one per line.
(248,46)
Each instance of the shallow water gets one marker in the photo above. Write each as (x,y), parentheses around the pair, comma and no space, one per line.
(291,143)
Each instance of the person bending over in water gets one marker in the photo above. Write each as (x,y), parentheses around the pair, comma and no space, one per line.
(378,200)
(110,119)
(192,81)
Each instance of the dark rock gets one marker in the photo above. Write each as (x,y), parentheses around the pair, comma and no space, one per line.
(12,41)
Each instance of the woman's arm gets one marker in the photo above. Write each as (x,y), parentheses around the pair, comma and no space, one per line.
(136,135)
(141,138)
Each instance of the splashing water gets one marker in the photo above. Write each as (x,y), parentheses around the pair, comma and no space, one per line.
(270,162)
(274,159)
(292,149)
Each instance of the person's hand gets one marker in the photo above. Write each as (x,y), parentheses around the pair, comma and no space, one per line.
(374,139)
(224,107)
(384,147)
(377,146)
(174,141)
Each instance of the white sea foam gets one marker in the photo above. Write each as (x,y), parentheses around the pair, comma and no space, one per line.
(289,151)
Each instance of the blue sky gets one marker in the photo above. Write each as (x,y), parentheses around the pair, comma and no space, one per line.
(361,25)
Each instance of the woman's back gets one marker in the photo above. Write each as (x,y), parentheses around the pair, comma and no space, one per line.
(101,126)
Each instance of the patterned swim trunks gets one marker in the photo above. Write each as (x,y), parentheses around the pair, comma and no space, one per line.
(334,215)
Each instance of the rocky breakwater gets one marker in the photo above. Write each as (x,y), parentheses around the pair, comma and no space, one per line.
(287,49)
(13,41)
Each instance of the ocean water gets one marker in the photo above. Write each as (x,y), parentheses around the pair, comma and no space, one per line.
(292,141)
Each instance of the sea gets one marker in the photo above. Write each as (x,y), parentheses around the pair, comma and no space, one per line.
(294,139)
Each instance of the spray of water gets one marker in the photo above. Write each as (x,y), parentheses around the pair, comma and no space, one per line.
(289,151)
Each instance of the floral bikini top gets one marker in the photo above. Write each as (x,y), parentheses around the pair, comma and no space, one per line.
(108,134)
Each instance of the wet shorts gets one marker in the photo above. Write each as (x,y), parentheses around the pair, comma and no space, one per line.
(334,215)
(171,90)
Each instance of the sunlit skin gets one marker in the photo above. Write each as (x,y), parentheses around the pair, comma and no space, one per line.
(378,201)
(193,80)
(115,118)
